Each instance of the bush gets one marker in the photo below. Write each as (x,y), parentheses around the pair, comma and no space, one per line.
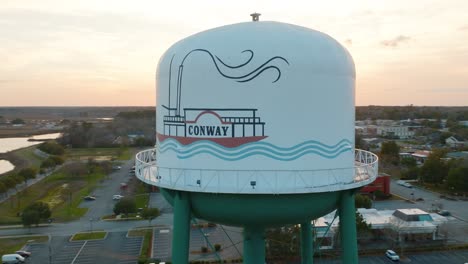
(204,249)
(48,163)
(52,148)
(28,173)
(57,159)
(125,206)
(217,247)
(142,260)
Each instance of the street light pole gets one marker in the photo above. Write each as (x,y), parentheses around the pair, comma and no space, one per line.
(50,249)
(91,224)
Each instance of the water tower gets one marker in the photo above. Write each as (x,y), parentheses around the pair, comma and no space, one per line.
(255,128)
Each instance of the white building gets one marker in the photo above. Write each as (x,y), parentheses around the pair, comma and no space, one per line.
(401,132)
(455,141)
(401,224)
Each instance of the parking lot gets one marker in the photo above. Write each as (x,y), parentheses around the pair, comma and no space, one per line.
(229,238)
(446,257)
(116,248)
(162,243)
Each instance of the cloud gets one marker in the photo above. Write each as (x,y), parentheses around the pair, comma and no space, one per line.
(395,41)
(348,42)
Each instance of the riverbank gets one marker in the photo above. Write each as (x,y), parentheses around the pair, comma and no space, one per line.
(21,159)
(24,132)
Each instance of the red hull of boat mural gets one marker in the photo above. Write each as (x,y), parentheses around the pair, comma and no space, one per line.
(228,142)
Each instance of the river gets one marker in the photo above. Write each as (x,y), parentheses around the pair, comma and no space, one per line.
(9,144)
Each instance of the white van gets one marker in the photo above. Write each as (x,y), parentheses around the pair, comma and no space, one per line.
(12,258)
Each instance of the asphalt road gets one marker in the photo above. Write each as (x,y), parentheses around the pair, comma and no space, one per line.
(104,205)
(431,201)
(452,257)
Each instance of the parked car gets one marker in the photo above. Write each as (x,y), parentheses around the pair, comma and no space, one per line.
(407,185)
(392,255)
(443,213)
(89,198)
(12,258)
(24,254)
(116,167)
(117,197)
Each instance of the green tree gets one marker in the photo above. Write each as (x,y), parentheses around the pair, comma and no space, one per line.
(125,206)
(409,162)
(434,170)
(457,179)
(52,148)
(57,159)
(3,188)
(47,163)
(28,173)
(390,152)
(362,201)
(30,217)
(361,225)
(9,182)
(410,173)
(17,121)
(390,148)
(41,208)
(150,214)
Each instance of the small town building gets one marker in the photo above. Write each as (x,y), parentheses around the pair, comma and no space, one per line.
(381,183)
(456,141)
(401,132)
(421,155)
(399,225)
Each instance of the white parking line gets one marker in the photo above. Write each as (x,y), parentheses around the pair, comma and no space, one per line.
(77,254)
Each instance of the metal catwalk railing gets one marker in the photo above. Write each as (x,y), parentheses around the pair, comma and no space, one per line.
(257,181)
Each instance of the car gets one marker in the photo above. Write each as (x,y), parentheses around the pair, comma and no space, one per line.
(117,197)
(400,182)
(443,213)
(89,198)
(24,254)
(116,168)
(12,258)
(392,255)
(407,185)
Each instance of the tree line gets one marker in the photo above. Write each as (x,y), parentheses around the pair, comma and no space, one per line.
(451,174)
(411,112)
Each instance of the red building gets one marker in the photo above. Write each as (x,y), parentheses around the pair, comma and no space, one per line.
(382,183)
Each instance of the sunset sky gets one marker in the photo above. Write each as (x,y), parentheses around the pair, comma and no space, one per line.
(104,53)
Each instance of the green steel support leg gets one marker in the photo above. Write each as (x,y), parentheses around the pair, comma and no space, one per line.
(347,213)
(254,245)
(181,235)
(307,252)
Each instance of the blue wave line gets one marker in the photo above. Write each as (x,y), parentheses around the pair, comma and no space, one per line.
(198,144)
(311,151)
(256,148)
(250,148)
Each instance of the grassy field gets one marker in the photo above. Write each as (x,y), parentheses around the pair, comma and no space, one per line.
(141,200)
(99,153)
(89,236)
(11,244)
(62,192)
(28,154)
(22,158)
(138,232)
